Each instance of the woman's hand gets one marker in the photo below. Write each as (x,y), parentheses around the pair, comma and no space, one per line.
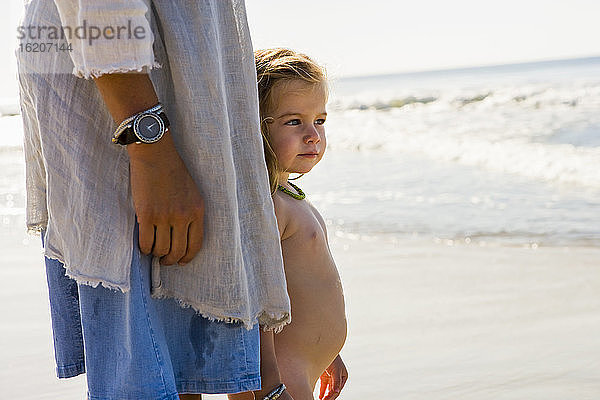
(168,205)
(333,379)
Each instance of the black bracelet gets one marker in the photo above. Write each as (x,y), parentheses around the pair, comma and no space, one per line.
(275,393)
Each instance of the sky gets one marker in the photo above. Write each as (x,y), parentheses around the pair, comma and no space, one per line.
(387,36)
(353,38)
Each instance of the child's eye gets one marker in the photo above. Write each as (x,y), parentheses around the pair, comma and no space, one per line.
(293,122)
(320,121)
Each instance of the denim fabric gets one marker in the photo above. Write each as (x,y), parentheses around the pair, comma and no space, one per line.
(137,347)
(66,320)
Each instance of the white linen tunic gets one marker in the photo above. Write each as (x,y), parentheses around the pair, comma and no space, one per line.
(199,57)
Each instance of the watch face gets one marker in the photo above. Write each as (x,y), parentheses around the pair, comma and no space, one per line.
(149,128)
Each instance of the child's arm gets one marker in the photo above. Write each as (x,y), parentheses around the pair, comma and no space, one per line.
(281,214)
(334,378)
(269,371)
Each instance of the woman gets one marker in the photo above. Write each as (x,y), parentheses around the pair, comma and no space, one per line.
(106,206)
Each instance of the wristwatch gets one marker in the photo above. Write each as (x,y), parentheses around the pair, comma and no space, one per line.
(145,127)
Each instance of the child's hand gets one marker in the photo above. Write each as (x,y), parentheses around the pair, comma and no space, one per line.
(334,378)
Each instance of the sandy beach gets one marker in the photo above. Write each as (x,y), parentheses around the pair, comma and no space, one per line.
(426,321)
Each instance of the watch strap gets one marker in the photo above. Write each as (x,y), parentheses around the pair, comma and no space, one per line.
(127,136)
(124,133)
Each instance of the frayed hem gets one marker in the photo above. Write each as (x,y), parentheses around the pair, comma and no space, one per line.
(36,229)
(273,323)
(86,280)
(267,321)
(88,73)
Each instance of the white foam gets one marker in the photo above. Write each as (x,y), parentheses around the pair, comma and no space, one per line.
(515,129)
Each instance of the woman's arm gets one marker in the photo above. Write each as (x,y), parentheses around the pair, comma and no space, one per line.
(167,203)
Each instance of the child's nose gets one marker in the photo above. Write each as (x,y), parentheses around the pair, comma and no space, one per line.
(312,135)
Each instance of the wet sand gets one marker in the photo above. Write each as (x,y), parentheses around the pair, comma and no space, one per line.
(426,321)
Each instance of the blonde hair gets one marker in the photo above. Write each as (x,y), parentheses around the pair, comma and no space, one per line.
(275,67)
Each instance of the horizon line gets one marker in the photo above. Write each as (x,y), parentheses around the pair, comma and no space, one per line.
(473,67)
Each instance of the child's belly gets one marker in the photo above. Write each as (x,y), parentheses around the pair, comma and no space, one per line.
(318,328)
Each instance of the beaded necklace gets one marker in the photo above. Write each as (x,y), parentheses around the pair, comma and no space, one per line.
(298,196)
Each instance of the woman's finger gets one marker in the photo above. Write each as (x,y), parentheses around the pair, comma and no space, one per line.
(194,242)
(179,238)
(146,237)
(162,240)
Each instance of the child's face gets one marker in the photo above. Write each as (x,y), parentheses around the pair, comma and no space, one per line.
(297,132)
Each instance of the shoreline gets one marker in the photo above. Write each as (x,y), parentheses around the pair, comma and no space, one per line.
(426,321)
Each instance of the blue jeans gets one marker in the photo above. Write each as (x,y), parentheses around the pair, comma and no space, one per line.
(135,347)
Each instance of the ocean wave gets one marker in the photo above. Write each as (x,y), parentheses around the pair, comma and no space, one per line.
(527,97)
(393,103)
(544,130)
(556,144)
(561,163)
(463,101)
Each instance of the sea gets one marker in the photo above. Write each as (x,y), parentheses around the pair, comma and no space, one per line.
(504,155)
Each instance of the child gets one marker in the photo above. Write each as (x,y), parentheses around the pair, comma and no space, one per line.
(293,94)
